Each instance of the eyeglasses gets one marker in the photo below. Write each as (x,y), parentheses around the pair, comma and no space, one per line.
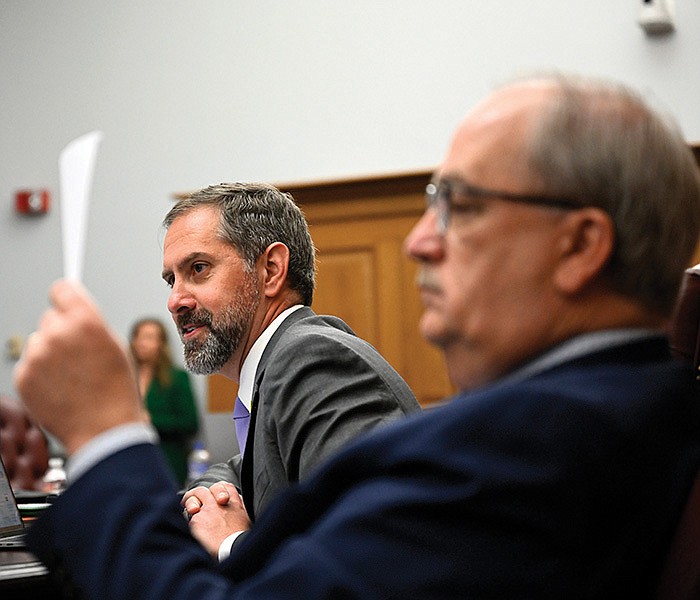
(440,195)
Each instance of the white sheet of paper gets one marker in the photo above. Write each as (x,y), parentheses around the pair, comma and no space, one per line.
(76,166)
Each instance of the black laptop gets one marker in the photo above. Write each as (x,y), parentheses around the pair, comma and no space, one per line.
(11,525)
(14,505)
(16,561)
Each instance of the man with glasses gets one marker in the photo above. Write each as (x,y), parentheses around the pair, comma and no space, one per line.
(550,256)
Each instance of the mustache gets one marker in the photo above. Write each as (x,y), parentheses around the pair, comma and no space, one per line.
(426,280)
(200,317)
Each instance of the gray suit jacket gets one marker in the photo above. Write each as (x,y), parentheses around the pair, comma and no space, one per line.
(317,386)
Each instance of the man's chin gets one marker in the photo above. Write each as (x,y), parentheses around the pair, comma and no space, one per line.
(194,362)
(197,368)
(433,330)
(200,359)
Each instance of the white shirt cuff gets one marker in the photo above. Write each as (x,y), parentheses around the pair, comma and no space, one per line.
(227,545)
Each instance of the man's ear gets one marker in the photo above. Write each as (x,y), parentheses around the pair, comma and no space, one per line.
(586,244)
(275,261)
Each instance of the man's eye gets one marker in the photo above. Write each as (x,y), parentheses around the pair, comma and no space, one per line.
(465,204)
(169,282)
(198,267)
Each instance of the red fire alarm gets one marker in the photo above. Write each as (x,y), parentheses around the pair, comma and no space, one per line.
(32,202)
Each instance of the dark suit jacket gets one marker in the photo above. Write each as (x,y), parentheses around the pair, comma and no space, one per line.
(317,386)
(565,485)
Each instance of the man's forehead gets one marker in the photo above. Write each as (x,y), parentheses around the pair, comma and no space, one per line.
(511,104)
(492,136)
(183,245)
(199,225)
(196,217)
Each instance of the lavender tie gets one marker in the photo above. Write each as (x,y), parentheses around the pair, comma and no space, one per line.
(241,419)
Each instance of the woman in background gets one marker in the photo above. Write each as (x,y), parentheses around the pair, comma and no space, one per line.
(166,392)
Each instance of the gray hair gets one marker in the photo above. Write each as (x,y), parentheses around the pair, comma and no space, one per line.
(601,144)
(253,216)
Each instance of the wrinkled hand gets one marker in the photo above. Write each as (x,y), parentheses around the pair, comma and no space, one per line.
(74,375)
(215,513)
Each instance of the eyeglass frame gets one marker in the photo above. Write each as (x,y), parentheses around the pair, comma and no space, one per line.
(444,204)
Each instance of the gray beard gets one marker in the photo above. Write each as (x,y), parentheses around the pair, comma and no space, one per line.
(224,337)
(209,356)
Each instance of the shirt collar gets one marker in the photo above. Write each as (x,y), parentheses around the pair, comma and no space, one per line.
(581,345)
(250,364)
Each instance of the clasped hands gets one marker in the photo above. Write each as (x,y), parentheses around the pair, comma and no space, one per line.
(215,513)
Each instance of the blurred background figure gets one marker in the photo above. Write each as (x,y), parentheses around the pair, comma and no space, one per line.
(166,392)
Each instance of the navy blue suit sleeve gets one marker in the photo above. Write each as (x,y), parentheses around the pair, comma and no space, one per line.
(118,532)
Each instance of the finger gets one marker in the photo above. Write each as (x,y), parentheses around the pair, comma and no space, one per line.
(193,499)
(192,505)
(193,492)
(32,339)
(65,294)
(73,306)
(31,345)
(221,493)
(32,354)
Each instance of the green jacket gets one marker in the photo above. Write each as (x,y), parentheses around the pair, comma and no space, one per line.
(174,415)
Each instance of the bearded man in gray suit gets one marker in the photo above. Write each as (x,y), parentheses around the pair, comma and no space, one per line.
(241,264)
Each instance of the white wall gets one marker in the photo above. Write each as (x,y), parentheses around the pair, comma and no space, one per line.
(193,93)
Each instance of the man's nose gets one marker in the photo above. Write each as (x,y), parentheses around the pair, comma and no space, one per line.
(424,243)
(180,299)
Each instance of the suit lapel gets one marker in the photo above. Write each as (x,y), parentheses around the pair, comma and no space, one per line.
(247,471)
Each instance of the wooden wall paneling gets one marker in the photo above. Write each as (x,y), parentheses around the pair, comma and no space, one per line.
(355,303)
(375,281)
(221,394)
(367,254)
